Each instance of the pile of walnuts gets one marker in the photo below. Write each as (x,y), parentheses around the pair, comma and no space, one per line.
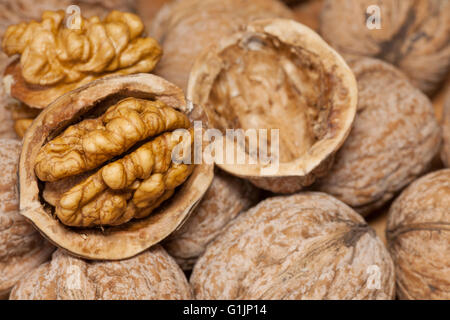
(107,197)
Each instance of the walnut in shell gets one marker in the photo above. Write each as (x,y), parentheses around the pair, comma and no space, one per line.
(413,35)
(393,140)
(278,75)
(107,155)
(445,153)
(56,58)
(186,27)
(304,246)
(149,276)
(418,234)
(225,199)
(21,246)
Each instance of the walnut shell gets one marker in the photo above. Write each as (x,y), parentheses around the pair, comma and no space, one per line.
(225,199)
(151,275)
(445,153)
(21,246)
(310,97)
(133,237)
(414,35)
(185,27)
(304,246)
(418,234)
(394,138)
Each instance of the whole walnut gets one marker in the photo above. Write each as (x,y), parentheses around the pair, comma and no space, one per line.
(152,274)
(185,27)
(393,140)
(225,199)
(21,246)
(413,35)
(418,234)
(304,246)
(445,153)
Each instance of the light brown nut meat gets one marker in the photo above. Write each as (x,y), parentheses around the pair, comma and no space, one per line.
(186,27)
(418,234)
(445,153)
(304,246)
(108,155)
(225,199)
(21,246)
(150,275)
(280,76)
(393,140)
(414,35)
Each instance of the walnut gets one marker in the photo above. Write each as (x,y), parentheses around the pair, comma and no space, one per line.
(186,27)
(310,98)
(445,153)
(304,246)
(393,141)
(103,156)
(308,13)
(21,246)
(414,35)
(418,233)
(150,275)
(55,59)
(225,199)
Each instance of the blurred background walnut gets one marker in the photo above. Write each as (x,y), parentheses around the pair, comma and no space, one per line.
(304,246)
(151,275)
(308,12)
(445,153)
(394,138)
(225,199)
(418,234)
(414,35)
(21,246)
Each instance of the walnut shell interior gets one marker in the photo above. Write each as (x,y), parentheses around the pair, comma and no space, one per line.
(278,74)
(109,242)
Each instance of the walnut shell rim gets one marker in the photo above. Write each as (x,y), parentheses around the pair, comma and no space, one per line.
(135,236)
(209,64)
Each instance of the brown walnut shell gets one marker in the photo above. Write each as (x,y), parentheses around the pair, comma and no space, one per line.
(133,237)
(225,199)
(21,246)
(304,246)
(445,153)
(151,275)
(414,35)
(278,75)
(418,234)
(393,140)
(185,27)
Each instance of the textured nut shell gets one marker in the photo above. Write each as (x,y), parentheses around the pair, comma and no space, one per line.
(305,246)
(418,233)
(21,246)
(445,153)
(150,275)
(394,138)
(414,35)
(136,236)
(185,27)
(225,199)
(292,175)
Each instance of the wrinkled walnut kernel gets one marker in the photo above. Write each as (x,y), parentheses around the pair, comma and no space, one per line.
(130,187)
(51,53)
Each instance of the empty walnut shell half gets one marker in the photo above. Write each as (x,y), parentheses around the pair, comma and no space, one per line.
(418,235)
(102,156)
(393,140)
(225,199)
(151,275)
(304,246)
(277,75)
(413,35)
(21,246)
